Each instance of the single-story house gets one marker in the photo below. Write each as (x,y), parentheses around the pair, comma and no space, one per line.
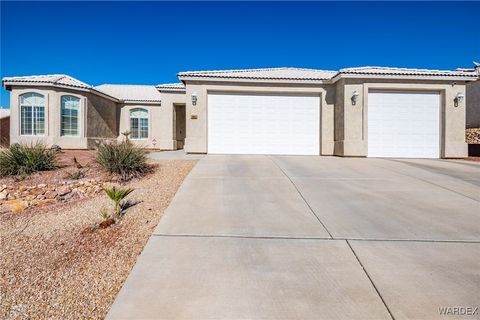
(365,112)
(4,126)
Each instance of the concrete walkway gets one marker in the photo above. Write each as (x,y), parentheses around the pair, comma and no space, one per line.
(174,155)
(263,237)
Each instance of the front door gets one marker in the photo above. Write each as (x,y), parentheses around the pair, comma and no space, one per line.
(179,130)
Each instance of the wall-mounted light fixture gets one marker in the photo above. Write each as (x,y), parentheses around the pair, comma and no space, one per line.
(194,99)
(458,98)
(354,98)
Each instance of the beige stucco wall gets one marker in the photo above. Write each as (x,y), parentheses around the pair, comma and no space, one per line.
(196,139)
(97,118)
(160,121)
(473,104)
(344,127)
(352,138)
(167,129)
(101,120)
(349,121)
(154,112)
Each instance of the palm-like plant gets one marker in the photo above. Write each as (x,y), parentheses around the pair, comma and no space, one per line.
(117,195)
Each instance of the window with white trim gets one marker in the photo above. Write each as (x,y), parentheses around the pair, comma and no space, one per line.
(139,123)
(70,119)
(32,114)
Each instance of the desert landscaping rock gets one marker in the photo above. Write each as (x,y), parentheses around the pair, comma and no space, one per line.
(33,195)
(51,195)
(473,136)
(59,264)
(45,202)
(15,205)
(64,190)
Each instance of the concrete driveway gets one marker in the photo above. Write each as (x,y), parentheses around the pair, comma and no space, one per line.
(264,237)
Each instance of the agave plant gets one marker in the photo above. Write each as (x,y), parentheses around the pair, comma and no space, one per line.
(117,195)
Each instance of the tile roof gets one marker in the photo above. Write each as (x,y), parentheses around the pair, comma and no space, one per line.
(55,79)
(171,87)
(313,75)
(291,74)
(131,93)
(404,72)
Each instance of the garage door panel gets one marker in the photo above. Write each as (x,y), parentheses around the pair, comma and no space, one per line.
(263,124)
(403,124)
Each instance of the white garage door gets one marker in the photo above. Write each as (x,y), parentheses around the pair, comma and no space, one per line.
(263,124)
(403,124)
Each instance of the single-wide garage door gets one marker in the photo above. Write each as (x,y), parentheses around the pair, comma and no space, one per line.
(263,124)
(403,124)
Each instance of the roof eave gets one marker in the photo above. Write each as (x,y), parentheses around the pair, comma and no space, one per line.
(184,78)
(7,84)
(170,90)
(153,102)
(42,84)
(403,77)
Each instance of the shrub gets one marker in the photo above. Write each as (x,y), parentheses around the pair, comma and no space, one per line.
(122,158)
(117,195)
(26,159)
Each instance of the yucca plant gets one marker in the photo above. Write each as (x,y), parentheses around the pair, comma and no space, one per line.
(22,159)
(117,195)
(126,134)
(124,159)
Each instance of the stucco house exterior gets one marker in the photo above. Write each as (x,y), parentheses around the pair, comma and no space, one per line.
(365,112)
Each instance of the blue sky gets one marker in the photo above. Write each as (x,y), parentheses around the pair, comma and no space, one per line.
(149,42)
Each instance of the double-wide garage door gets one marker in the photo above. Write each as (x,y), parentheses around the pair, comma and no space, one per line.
(400,124)
(403,124)
(263,124)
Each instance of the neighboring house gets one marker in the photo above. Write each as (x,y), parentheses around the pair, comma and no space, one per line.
(473,101)
(4,127)
(366,111)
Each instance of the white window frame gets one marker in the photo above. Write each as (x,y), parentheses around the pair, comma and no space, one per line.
(130,123)
(21,119)
(79,116)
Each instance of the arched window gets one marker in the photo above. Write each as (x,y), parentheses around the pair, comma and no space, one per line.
(139,124)
(32,114)
(70,111)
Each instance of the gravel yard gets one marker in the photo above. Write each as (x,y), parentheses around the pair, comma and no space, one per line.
(473,135)
(53,265)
